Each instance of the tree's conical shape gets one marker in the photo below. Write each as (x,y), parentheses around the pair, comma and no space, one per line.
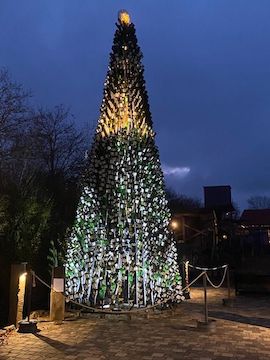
(120,249)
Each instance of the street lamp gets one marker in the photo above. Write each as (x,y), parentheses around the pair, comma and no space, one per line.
(174,224)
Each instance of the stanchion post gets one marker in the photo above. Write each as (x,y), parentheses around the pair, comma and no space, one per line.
(207,324)
(228,283)
(205,299)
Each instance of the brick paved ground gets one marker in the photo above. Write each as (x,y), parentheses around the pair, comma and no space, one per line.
(242,332)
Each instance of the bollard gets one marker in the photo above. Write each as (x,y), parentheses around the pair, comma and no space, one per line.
(17,292)
(228,283)
(207,324)
(57,298)
(229,301)
(29,294)
(205,299)
(28,326)
(185,276)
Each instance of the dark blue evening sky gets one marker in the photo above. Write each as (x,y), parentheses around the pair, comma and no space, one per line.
(207,70)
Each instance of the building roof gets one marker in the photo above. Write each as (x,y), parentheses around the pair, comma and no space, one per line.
(218,198)
(200,212)
(256,217)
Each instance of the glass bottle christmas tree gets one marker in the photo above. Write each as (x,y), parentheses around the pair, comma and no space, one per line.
(120,249)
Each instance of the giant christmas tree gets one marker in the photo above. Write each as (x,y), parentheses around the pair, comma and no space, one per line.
(120,249)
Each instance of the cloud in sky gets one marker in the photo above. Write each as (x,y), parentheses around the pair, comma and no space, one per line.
(176,171)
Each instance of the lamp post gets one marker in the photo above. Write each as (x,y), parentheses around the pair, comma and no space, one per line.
(178,226)
(174,225)
(28,326)
(18,276)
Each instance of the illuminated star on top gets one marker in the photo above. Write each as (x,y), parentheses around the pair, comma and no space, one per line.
(123,17)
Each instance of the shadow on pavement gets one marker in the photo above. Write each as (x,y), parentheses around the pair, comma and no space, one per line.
(74,349)
(240,318)
(54,343)
(183,327)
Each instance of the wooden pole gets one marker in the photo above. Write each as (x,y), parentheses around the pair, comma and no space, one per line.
(57,303)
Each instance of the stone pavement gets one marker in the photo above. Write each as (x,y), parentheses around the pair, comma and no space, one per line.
(242,332)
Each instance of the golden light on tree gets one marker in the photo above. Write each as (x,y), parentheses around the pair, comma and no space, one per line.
(124,17)
(124,121)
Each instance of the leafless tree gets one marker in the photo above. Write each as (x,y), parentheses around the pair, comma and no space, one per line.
(13,104)
(57,144)
(14,118)
(259,202)
(36,205)
(179,202)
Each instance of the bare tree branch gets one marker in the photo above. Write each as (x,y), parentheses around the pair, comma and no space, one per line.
(57,143)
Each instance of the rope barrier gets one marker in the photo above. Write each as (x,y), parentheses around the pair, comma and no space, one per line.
(116,312)
(225,267)
(51,288)
(183,289)
(222,280)
(93,309)
(42,281)
(207,269)
(97,310)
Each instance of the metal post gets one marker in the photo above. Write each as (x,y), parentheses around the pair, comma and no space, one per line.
(215,236)
(136,295)
(185,277)
(228,283)
(205,299)
(126,289)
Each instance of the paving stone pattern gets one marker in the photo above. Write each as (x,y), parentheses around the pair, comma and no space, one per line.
(242,332)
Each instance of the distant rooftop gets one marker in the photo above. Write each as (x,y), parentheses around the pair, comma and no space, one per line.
(218,197)
(256,217)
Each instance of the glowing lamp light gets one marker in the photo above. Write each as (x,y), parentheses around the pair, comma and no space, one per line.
(22,277)
(174,224)
(20,299)
(123,17)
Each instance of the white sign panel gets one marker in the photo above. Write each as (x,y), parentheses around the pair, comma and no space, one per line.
(58,285)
